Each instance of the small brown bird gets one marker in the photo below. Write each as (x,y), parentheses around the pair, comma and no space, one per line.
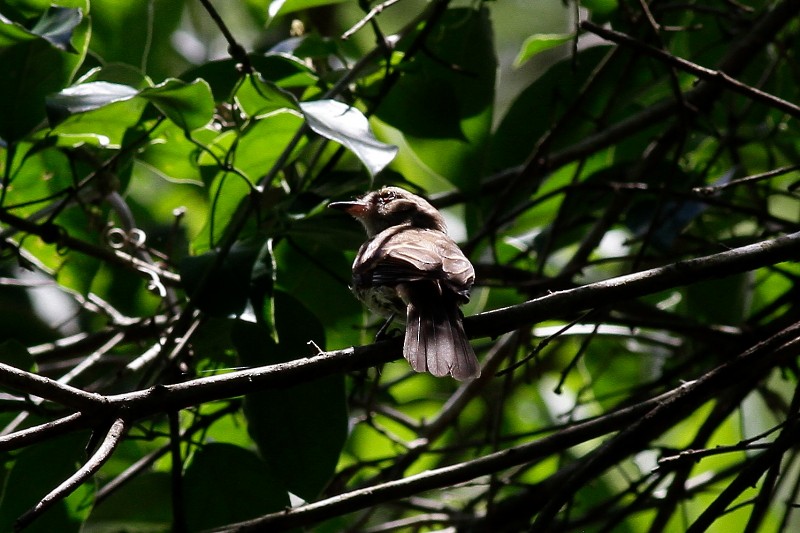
(409,267)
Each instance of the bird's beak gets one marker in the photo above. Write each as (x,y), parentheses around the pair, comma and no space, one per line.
(354,208)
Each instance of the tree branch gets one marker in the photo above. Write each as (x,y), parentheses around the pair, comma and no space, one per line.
(451,475)
(103,453)
(162,398)
(707,74)
(743,259)
(642,422)
(29,383)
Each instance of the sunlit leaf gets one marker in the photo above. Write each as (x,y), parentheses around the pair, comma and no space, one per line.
(348,126)
(284,70)
(86,97)
(189,105)
(256,96)
(174,156)
(283,7)
(539,43)
(264,141)
(31,70)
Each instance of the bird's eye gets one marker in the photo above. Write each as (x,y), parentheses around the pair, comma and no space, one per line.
(388,197)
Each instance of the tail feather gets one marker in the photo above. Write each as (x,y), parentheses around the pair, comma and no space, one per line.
(435,340)
(414,346)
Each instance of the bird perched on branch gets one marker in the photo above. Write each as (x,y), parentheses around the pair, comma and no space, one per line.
(409,267)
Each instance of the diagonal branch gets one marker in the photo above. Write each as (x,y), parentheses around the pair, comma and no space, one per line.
(451,475)
(98,459)
(707,74)
(29,383)
(742,259)
(639,422)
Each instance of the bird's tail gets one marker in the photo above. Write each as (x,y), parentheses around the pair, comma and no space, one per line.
(435,340)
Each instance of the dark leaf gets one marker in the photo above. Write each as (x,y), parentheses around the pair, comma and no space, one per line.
(224,484)
(299,430)
(57,26)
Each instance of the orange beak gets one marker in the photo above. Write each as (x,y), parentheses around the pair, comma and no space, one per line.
(356,208)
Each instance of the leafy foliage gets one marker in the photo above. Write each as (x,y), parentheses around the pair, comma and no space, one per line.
(180,351)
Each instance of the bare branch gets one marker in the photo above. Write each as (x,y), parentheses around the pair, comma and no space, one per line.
(451,475)
(374,12)
(103,453)
(46,388)
(31,435)
(707,74)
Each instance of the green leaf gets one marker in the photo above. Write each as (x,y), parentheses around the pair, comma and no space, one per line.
(152,512)
(225,484)
(85,97)
(312,45)
(307,266)
(57,26)
(299,430)
(459,65)
(173,156)
(226,191)
(14,353)
(257,96)
(283,70)
(279,8)
(189,105)
(27,9)
(264,141)
(36,471)
(348,126)
(12,33)
(33,69)
(75,270)
(38,173)
(221,287)
(139,34)
(106,126)
(600,9)
(539,43)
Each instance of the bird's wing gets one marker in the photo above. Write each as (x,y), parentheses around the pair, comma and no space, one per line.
(400,255)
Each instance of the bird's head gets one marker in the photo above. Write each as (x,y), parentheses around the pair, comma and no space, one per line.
(392,206)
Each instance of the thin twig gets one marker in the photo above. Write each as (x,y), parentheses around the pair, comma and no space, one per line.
(48,430)
(374,12)
(235,49)
(780,171)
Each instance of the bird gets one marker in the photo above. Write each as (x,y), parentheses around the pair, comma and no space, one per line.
(409,268)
